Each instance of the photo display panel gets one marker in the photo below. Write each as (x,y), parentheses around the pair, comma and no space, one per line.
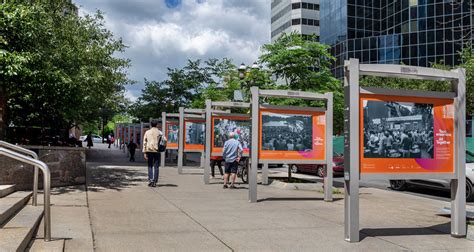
(223,125)
(172,131)
(195,133)
(292,135)
(406,134)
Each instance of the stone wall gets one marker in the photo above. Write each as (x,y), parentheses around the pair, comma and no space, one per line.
(67,166)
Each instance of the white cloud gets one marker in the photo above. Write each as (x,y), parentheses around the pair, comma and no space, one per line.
(129,95)
(159,37)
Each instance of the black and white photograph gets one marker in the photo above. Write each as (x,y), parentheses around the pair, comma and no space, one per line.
(285,132)
(173,131)
(195,132)
(398,129)
(222,128)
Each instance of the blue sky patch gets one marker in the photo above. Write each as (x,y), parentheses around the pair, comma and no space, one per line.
(172,3)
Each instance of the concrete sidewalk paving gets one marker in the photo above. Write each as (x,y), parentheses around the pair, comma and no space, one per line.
(183,214)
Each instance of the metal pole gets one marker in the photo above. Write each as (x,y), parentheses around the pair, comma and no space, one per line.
(36,169)
(254,149)
(163,130)
(328,179)
(458,185)
(207,148)
(351,151)
(265,174)
(181,140)
(141,136)
(46,185)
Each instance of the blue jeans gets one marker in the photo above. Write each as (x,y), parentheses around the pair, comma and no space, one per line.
(154,159)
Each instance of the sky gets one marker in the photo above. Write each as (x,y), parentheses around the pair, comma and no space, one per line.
(166,33)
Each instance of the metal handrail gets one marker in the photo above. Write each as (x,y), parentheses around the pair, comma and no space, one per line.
(46,185)
(33,155)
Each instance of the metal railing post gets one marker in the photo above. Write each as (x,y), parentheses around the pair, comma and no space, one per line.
(46,183)
(36,174)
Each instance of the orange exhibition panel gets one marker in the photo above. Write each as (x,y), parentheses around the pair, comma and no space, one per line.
(194,134)
(292,135)
(223,125)
(400,134)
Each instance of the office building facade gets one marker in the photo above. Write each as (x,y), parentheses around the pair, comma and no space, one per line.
(410,32)
(301,16)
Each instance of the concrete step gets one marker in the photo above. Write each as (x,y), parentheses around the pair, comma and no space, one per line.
(10,204)
(6,189)
(39,245)
(17,233)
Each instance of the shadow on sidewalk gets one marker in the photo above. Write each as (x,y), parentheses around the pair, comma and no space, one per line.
(167,185)
(441,229)
(106,178)
(296,199)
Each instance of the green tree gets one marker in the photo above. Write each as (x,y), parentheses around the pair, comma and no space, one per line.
(304,64)
(191,85)
(58,69)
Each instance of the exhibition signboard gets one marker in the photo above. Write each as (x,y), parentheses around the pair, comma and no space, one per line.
(223,125)
(292,135)
(172,131)
(194,136)
(401,134)
(396,134)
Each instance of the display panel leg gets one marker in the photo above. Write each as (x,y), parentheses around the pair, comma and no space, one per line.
(163,157)
(458,185)
(458,208)
(265,174)
(351,152)
(254,149)
(351,212)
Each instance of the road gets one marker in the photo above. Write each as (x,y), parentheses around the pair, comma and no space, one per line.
(379,184)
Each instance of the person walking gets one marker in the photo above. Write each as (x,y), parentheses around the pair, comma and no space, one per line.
(231,153)
(216,160)
(131,148)
(151,142)
(89,141)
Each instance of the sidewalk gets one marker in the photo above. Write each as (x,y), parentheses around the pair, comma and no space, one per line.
(183,214)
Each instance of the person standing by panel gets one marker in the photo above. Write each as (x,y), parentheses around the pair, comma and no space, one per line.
(231,153)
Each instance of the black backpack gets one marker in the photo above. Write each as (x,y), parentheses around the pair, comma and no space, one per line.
(161,144)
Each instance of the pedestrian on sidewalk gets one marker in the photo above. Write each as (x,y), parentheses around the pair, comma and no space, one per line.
(216,160)
(89,140)
(151,146)
(131,148)
(231,153)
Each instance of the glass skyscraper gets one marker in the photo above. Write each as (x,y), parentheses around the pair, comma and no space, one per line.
(410,32)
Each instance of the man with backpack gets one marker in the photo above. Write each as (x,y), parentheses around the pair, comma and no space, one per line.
(154,142)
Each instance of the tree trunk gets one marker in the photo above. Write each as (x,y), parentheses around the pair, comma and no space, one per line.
(3,106)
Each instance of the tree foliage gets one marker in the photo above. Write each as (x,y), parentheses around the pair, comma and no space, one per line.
(58,69)
(304,64)
(191,85)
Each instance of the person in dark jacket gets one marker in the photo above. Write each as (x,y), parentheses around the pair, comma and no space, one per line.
(131,148)
(89,141)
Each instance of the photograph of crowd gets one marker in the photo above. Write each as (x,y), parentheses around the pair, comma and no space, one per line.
(195,132)
(222,128)
(283,132)
(398,129)
(173,131)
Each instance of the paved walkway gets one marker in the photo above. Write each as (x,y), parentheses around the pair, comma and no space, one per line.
(183,214)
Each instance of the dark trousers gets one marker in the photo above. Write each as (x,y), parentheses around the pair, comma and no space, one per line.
(132,155)
(219,165)
(153,166)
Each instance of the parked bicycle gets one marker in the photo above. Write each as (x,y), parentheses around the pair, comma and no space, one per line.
(243,169)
